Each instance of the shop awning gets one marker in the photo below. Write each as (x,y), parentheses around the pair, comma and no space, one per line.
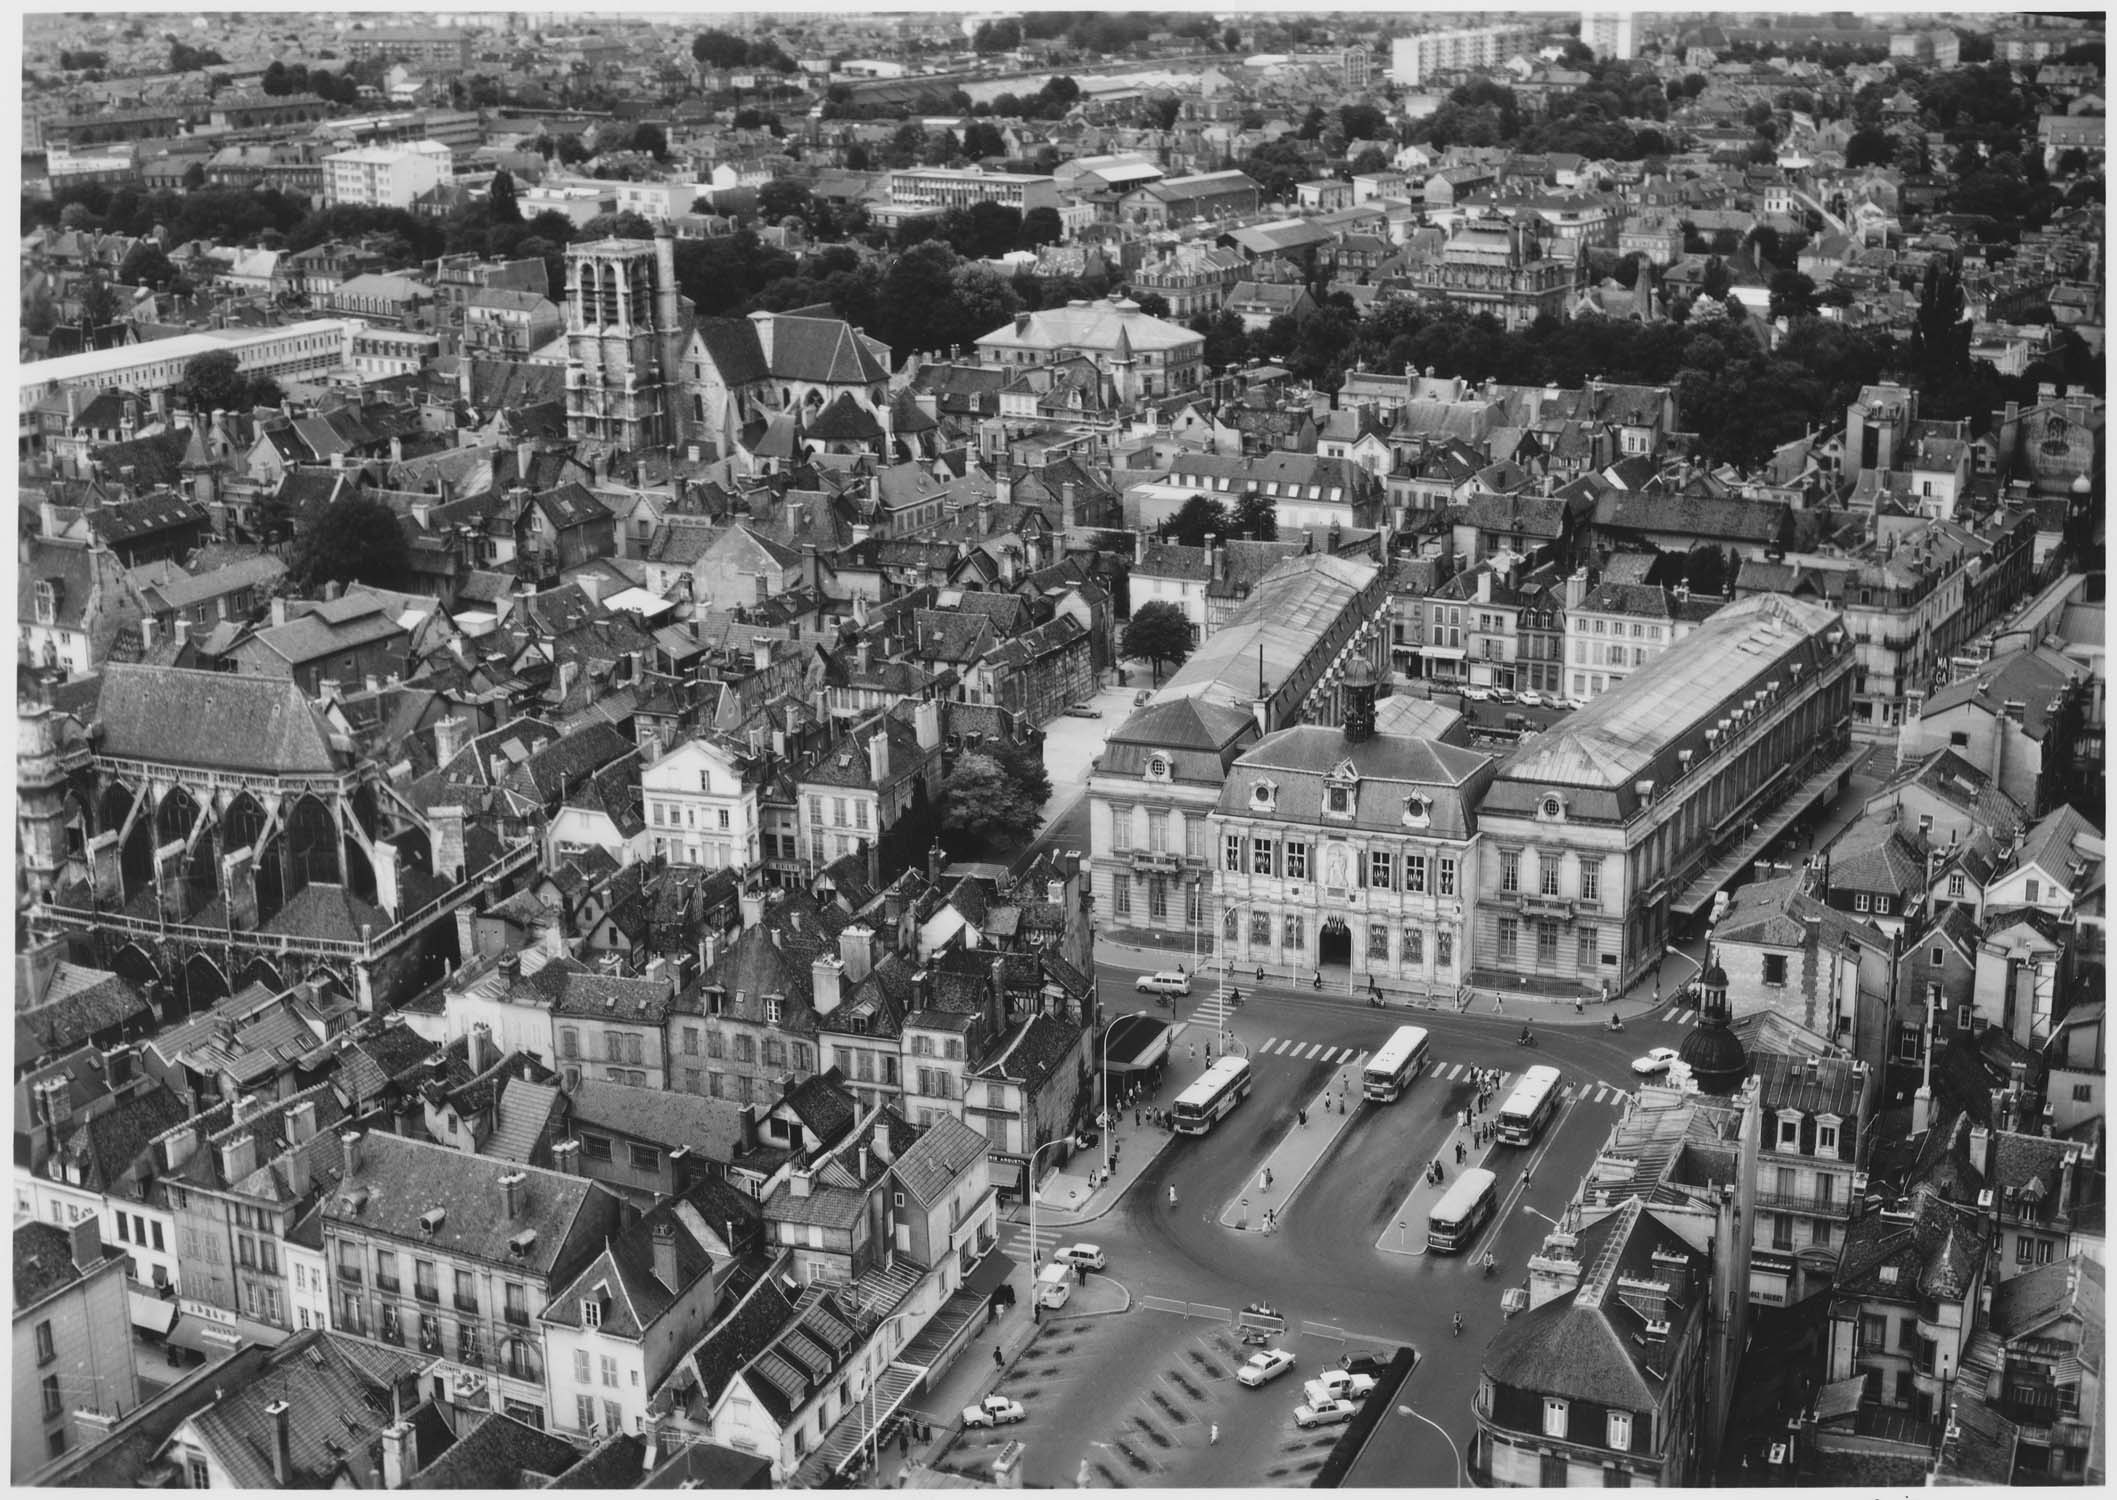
(990,1272)
(1135,1042)
(151,1313)
(203,1336)
(1444,653)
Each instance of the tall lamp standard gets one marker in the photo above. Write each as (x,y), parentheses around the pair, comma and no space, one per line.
(1033,1251)
(1109,1114)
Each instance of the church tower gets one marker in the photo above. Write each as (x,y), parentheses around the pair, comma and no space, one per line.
(624,343)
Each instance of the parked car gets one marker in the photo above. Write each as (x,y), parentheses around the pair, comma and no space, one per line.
(1167,982)
(1338,1385)
(1083,711)
(1090,1256)
(1323,1413)
(993,1411)
(1531,698)
(1654,1062)
(1478,694)
(1502,695)
(1264,1365)
(1139,699)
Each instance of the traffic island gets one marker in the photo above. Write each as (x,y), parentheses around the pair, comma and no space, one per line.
(1293,1159)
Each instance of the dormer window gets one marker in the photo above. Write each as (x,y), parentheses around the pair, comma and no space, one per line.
(47,602)
(1264,796)
(591,1313)
(1338,800)
(771,1009)
(1551,809)
(1157,768)
(1417,809)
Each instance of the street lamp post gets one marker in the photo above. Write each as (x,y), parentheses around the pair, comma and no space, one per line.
(1110,1114)
(1667,952)
(1406,1411)
(1034,1253)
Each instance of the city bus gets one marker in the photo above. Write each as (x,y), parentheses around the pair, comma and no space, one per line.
(1454,1221)
(1219,1089)
(1522,1117)
(1401,1059)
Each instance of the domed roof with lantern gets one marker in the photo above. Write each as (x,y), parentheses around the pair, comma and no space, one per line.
(1717,1060)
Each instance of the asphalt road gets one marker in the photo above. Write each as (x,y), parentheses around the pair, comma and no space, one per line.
(1323,1270)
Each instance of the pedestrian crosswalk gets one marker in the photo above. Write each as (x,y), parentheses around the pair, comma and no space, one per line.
(1686,1017)
(1280,1046)
(1297,1050)
(1026,1250)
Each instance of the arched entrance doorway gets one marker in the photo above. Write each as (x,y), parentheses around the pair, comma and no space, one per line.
(1334,942)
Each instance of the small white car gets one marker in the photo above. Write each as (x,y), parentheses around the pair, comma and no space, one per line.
(1654,1062)
(1167,982)
(1532,698)
(1264,1365)
(1323,1413)
(1338,1385)
(1478,694)
(993,1411)
(1077,1256)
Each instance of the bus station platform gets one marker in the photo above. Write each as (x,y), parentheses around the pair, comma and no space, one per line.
(1293,1158)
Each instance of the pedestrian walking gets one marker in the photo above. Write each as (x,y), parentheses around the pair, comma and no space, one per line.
(1267,1179)
(1301,1117)
(1459,1153)
(998,1363)
(1214,1435)
(1576,1005)
(1135,1119)
(1525,1179)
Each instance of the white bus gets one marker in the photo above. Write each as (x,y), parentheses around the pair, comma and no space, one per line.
(1454,1221)
(1401,1059)
(1219,1089)
(1522,1117)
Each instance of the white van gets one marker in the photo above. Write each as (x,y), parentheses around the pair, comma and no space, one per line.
(1090,1256)
(1167,982)
(1054,1284)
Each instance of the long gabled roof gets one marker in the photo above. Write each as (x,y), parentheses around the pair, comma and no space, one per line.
(214,720)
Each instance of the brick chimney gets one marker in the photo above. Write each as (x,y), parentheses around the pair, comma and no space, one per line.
(665,1256)
(856,951)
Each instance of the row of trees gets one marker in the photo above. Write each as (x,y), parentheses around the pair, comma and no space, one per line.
(337,87)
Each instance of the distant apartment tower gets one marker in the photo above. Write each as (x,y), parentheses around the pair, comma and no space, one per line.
(433,49)
(624,343)
(1608,33)
(385,176)
(1415,60)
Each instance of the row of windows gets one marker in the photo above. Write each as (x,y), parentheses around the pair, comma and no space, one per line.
(1293,932)
(1193,827)
(839,807)
(1587,941)
(1548,865)
(1289,859)
(1157,898)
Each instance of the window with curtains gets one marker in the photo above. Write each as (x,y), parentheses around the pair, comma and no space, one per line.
(1380,869)
(1296,935)
(1415,874)
(1121,895)
(1261,852)
(1444,876)
(1231,852)
(1547,871)
(1414,946)
(1509,938)
(1296,860)
(1510,871)
(1260,929)
(1120,827)
(1444,950)
(1591,882)
(1378,941)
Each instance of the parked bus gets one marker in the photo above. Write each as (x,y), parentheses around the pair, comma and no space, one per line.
(1522,1117)
(1454,1221)
(1219,1089)
(1391,1070)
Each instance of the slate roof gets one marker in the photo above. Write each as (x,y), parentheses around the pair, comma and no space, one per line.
(2032,1300)
(1877,860)
(1041,1044)
(1587,1345)
(1956,781)
(2032,676)
(615,1463)
(1386,769)
(1936,1248)
(666,1117)
(78,1004)
(111,1144)
(215,720)
(739,1338)
(497,1453)
(337,1411)
(624,1271)
(404,1179)
(44,1262)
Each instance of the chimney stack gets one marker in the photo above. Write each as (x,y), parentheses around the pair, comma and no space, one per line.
(513,1188)
(856,951)
(665,1256)
(282,1446)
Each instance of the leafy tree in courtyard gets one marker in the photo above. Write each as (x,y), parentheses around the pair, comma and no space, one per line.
(1201,517)
(1024,765)
(1793,295)
(1255,517)
(1157,633)
(353,540)
(100,306)
(982,801)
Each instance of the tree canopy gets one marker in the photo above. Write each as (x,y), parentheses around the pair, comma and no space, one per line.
(1158,633)
(356,539)
(982,801)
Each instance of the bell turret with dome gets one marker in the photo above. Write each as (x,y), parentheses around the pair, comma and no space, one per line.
(1356,700)
(1714,1054)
